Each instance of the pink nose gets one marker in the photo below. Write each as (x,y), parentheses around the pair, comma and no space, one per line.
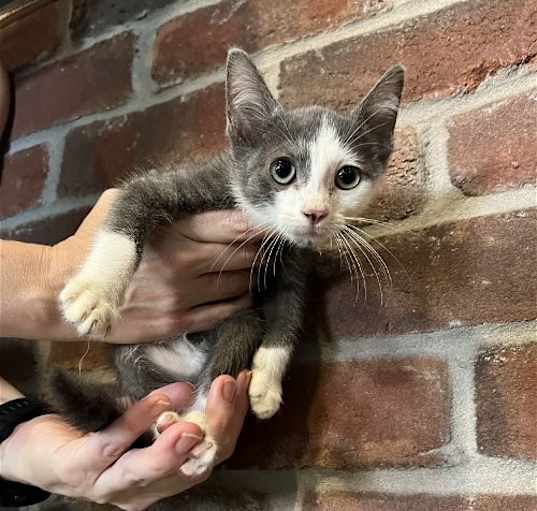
(316,215)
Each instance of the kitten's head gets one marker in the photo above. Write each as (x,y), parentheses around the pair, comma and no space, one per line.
(302,172)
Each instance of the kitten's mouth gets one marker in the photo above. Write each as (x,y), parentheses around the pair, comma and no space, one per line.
(311,237)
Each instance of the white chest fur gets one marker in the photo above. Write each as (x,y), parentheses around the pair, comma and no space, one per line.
(179,358)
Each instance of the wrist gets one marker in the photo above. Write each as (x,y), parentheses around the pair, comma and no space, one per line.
(29,307)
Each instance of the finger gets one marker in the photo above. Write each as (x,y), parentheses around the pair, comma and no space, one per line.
(214,287)
(145,467)
(205,317)
(216,226)
(225,417)
(110,443)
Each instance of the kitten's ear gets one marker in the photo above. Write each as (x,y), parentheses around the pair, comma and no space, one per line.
(249,103)
(377,112)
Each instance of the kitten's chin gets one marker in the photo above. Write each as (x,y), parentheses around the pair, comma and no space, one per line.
(313,241)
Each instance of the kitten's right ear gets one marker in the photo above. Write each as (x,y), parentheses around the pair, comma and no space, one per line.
(249,103)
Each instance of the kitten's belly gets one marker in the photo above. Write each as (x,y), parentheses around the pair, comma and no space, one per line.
(180,359)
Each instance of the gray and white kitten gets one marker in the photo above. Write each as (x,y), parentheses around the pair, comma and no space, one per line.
(298,175)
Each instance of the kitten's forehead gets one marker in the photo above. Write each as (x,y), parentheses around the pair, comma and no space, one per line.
(320,135)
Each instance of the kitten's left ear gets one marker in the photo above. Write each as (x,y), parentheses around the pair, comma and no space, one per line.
(377,112)
(249,103)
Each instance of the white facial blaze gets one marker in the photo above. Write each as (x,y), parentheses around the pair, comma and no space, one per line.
(327,155)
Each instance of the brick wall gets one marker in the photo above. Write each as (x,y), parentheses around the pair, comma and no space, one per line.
(427,401)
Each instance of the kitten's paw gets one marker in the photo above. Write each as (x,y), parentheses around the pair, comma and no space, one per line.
(203,456)
(88,306)
(265,394)
(165,420)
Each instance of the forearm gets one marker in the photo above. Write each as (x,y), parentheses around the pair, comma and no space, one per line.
(28,308)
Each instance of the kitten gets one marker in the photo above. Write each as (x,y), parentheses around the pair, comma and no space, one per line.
(297,175)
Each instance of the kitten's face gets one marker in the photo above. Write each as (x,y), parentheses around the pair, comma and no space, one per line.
(304,173)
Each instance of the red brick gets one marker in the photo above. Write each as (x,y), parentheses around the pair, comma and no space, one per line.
(387,413)
(469,272)
(403,190)
(49,230)
(445,53)
(35,35)
(183,129)
(182,49)
(349,501)
(493,149)
(91,19)
(506,379)
(94,80)
(23,180)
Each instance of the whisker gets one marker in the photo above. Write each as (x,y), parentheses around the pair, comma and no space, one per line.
(270,251)
(258,231)
(356,262)
(362,247)
(262,251)
(382,246)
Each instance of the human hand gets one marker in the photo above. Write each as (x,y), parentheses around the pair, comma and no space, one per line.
(48,453)
(179,285)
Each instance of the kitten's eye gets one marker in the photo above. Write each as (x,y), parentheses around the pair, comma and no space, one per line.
(348,177)
(282,171)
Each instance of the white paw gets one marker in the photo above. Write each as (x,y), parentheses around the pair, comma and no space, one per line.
(265,394)
(164,420)
(89,306)
(202,458)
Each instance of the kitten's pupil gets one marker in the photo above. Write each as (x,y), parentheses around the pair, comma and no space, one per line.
(282,171)
(348,177)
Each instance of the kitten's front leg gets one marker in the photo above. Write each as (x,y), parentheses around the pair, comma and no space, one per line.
(269,366)
(284,316)
(91,299)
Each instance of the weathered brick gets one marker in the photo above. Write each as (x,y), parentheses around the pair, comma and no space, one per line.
(181,49)
(208,497)
(49,230)
(183,129)
(90,20)
(387,413)
(473,271)
(493,149)
(94,80)
(23,180)
(403,190)
(349,501)
(445,53)
(506,379)
(35,35)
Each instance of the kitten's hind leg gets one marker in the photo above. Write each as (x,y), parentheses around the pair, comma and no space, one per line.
(203,456)
(237,339)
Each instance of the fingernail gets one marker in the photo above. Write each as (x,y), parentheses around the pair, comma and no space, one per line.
(229,390)
(186,442)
